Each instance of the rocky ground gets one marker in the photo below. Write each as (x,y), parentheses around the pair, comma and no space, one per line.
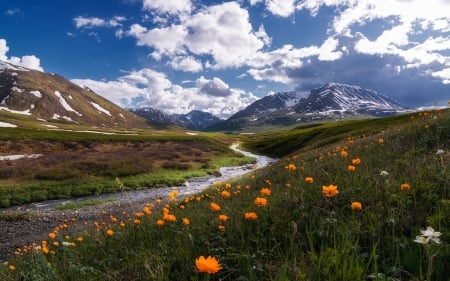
(20,228)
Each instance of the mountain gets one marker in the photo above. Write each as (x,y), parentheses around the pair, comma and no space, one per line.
(197,120)
(330,102)
(194,120)
(337,98)
(155,115)
(51,99)
(269,103)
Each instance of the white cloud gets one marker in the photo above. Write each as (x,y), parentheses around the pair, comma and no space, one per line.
(443,74)
(414,32)
(327,52)
(147,87)
(221,32)
(168,6)
(28,61)
(188,64)
(167,41)
(283,8)
(3,50)
(91,22)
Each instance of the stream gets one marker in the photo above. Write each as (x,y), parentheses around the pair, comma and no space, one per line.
(191,186)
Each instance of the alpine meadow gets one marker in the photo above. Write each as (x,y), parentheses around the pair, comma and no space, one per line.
(347,200)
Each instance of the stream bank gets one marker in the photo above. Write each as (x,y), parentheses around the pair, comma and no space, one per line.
(17,233)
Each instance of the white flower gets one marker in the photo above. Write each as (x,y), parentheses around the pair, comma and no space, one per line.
(440,151)
(428,235)
(384,173)
(422,240)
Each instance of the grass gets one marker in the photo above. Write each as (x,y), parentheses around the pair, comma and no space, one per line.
(91,166)
(17,215)
(401,178)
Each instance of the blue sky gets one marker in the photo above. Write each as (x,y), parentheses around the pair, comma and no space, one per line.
(220,56)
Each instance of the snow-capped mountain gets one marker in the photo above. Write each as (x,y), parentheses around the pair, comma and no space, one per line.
(197,120)
(155,115)
(329,102)
(337,98)
(269,103)
(194,120)
(51,99)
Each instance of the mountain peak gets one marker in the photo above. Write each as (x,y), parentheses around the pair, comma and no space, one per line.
(335,97)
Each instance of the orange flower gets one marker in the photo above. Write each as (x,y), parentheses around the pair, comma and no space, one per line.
(11,267)
(309,180)
(109,232)
(405,186)
(80,239)
(356,161)
(351,168)
(330,191)
(225,194)
(45,249)
(169,217)
(221,227)
(137,222)
(52,235)
(186,221)
(260,201)
(344,153)
(173,195)
(291,167)
(356,206)
(160,222)
(265,191)
(250,216)
(215,207)
(209,265)
(147,210)
(381,141)
(223,218)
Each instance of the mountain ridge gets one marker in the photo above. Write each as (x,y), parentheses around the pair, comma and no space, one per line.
(52,99)
(329,102)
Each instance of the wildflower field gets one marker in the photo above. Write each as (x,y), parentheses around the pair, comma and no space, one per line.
(373,206)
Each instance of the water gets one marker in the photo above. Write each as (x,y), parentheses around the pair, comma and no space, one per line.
(191,186)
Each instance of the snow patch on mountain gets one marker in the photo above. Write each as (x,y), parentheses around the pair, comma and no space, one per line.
(99,108)
(64,103)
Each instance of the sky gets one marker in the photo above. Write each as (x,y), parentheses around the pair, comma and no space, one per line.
(220,56)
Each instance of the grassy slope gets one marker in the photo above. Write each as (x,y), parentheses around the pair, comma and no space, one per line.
(89,163)
(300,234)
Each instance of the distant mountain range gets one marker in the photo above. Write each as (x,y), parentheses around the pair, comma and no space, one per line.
(194,120)
(330,102)
(50,98)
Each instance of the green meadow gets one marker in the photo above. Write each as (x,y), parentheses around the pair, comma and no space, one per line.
(348,200)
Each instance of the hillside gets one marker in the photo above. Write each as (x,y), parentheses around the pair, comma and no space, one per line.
(371,203)
(51,101)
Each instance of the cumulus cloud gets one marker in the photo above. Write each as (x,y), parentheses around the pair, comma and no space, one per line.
(147,87)
(220,34)
(168,6)
(28,61)
(406,48)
